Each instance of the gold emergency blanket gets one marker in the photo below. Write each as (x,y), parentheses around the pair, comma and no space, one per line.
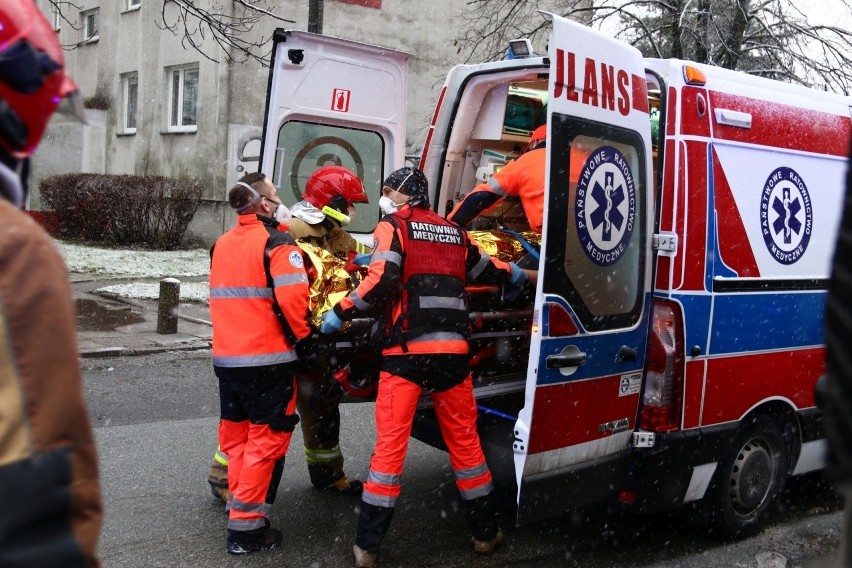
(504,246)
(332,283)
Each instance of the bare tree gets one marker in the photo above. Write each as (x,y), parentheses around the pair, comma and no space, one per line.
(771,38)
(206,25)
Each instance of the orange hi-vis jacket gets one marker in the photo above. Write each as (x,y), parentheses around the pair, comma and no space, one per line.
(258,295)
(523,177)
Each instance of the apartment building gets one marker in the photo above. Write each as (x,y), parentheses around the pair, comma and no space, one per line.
(156,106)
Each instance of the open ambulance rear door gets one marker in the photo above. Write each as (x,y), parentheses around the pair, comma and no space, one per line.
(333,102)
(587,351)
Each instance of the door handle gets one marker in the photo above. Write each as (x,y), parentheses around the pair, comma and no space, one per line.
(570,360)
(627,354)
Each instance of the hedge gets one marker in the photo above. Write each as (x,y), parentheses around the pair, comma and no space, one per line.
(122,209)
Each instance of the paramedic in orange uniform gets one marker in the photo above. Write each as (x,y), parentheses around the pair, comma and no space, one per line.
(259,309)
(329,203)
(523,177)
(418,272)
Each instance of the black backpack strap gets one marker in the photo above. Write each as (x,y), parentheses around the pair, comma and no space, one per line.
(276,239)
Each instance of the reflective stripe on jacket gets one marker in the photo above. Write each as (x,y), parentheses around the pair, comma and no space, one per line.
(246,330)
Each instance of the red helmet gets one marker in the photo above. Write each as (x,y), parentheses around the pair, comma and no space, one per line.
(335,187)
(32,76)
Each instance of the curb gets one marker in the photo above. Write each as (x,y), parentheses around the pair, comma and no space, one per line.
(104,352)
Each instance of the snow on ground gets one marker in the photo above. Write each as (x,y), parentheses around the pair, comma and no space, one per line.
(128,264)
(131,263)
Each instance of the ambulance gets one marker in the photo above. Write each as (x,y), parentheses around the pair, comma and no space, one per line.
(669,354)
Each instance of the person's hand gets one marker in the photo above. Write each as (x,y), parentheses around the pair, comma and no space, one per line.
(308,347)
(330,323)
(517,283)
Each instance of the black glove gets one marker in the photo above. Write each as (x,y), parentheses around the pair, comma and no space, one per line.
(311,347)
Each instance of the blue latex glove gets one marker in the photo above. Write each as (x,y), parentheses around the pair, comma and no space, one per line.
(330,323)
(363,259)
(516,284)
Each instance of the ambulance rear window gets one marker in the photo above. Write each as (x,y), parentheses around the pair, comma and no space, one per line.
(303,147)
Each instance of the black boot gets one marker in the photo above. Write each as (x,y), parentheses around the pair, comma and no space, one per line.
(482,515)
(244,542)
(373,523)
(329,477)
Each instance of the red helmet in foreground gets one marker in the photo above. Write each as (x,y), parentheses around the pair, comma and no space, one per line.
(32,76)
(335,187)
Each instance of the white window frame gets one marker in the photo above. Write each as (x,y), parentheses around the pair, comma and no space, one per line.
(89,35)
(177,97)
(134,4)
(126,80)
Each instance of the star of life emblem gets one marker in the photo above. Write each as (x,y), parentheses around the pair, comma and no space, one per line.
(786,215)
(605,206)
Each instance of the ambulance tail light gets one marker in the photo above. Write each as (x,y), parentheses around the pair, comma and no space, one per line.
(559,321)
(664,371)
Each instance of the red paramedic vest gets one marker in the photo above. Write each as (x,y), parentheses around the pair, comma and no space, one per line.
(433,295)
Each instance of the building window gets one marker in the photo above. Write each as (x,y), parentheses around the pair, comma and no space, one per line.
(183,98)
(90,20)
(130,101)
(133,4)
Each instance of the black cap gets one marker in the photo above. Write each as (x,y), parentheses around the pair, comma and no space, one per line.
(409,181)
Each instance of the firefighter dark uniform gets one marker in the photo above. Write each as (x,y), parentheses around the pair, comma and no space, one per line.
(419,268)
(337,188)
(523,177)
(321,427)
(259,309)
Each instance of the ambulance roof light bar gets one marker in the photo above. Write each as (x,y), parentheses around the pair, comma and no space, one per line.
(520,49)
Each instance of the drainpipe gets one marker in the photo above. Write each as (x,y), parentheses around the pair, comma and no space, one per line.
(315,11)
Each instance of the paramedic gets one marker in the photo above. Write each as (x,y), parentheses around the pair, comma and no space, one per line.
(523,177)
(256,270)
(418,272)
(49,490)
(329,203)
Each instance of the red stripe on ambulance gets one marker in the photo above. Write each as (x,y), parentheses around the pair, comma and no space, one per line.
(784,126)
(570,404)
(793,375)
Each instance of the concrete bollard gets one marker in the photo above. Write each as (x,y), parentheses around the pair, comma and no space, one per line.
(167,308)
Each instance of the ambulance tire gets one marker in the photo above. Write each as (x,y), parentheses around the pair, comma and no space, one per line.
(750,478)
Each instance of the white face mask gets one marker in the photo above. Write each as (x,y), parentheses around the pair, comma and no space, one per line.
(387,205)
(282,214)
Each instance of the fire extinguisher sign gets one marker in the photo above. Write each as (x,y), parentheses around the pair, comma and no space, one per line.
(340,100)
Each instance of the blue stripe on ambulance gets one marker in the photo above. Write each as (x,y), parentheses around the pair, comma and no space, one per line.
(601,350)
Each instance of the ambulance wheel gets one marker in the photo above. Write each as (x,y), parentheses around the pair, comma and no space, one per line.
(750,478)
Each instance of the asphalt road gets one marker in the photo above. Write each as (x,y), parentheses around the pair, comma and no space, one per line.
(155,421)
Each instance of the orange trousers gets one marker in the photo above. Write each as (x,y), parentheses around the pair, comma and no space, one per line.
(258,418)
(395,407)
